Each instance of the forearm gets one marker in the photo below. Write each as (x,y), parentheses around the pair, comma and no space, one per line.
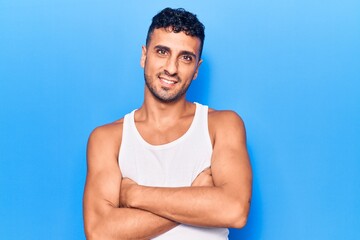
(201,206)
(127,223)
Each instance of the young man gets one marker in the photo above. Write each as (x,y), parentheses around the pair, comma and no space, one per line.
(171,169)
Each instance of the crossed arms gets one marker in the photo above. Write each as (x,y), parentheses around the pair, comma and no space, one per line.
(115,208)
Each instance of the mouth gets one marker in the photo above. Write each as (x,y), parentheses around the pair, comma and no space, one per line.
(168,81)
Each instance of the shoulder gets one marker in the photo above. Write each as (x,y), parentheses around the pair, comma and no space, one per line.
(106,138)
(224,118)
(225,123)
(108,131)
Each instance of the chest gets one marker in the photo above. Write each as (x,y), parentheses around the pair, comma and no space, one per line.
(173,165)
(160,135)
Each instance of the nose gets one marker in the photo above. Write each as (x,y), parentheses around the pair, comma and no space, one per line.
(171,66)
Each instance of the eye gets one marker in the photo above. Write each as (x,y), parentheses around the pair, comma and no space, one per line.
(187,58)
(161,51)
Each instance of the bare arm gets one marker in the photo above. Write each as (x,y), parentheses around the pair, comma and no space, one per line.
(224,205)
(103,218)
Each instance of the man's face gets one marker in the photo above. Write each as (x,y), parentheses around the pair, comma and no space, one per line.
(170,62)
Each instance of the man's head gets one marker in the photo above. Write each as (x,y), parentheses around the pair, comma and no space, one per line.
(171,57)
(178,20)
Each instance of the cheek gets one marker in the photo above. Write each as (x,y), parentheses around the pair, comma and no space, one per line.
(155,63)
(189,71)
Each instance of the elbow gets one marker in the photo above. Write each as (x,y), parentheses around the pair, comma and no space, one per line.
(239,222)
(237,216)
(90,236)
(94,234)
(92,231)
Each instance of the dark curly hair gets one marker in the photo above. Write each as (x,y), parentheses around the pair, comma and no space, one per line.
(179,20)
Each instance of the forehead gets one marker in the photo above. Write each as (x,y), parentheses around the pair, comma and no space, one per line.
(175,41)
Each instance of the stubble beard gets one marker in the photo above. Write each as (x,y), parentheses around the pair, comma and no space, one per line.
(162,95)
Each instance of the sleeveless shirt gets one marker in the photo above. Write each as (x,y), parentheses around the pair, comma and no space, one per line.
(174,164)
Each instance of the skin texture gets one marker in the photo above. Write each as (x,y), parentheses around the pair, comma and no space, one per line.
(114,207)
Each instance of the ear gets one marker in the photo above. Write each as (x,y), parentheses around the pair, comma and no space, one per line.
(143,56)
(197,69)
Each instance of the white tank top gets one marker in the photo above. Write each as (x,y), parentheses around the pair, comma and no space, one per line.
(174,164)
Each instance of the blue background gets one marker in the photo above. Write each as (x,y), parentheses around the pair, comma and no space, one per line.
(289,68)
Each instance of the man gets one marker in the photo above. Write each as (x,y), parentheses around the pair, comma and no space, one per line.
(170,169)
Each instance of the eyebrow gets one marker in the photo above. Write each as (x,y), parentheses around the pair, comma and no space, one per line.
(181,53)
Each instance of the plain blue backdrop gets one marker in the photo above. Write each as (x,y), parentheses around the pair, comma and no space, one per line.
(289,68)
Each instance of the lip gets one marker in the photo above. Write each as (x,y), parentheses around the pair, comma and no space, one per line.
(169,82)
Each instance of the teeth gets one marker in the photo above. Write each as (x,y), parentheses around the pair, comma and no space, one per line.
(168,82)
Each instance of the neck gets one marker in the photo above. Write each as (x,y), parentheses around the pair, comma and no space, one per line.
(158,112)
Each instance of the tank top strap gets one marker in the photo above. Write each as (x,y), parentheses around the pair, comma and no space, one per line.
(202,126)
(127,132)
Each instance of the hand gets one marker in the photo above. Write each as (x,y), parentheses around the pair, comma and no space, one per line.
(127,185)
(204,179)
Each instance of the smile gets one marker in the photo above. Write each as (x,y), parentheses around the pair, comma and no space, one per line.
(168,81)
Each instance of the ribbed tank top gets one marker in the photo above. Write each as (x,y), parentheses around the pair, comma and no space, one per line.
(174,164)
